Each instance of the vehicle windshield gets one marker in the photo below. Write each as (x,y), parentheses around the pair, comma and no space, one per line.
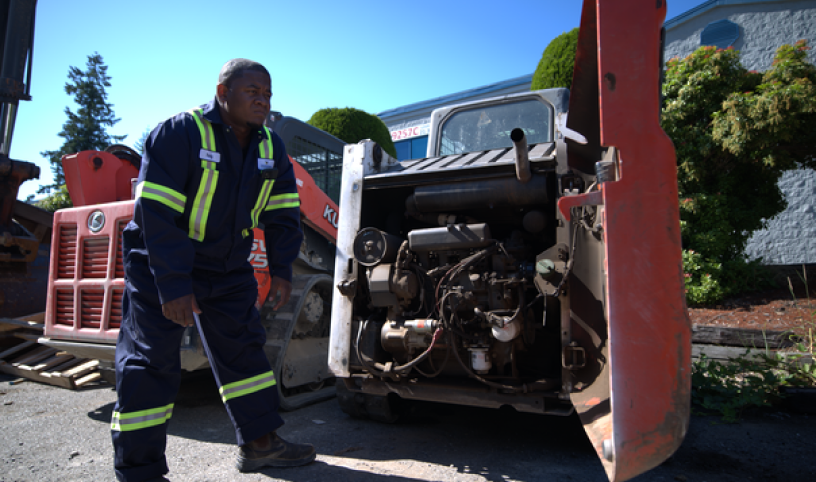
(486,128)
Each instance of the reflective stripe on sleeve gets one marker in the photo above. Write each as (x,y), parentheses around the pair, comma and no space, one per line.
(170,198)
(247,386)
(126,422)
(289,200)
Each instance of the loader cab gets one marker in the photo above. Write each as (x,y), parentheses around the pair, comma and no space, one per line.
(320,153)
(486,125)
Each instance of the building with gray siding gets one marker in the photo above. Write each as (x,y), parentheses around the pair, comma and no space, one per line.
(757,28)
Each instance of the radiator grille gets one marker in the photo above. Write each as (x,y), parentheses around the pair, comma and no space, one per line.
(66,261)
(95,257)
(115,319)
(91,310)
(119,269)
(65,307)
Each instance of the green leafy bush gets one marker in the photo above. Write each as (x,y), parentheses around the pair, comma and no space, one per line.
(728,388)
(56,200)
(557,62)
(735,133)
(353,125)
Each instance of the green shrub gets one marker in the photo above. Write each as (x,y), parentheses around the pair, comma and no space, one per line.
(353,125)
(735,133)
(58,199)
(557,62)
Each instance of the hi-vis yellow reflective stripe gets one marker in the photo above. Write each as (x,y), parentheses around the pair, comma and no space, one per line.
(266,145)
(206,130)
(203,201)
(266,152)
(247,386)
(262,198)
(125,422)
(170,198)
(289,200)
(209,179)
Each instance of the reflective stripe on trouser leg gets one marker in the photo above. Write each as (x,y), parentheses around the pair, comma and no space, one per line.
(245,387)
(233,338)
(125,422)
(148,373)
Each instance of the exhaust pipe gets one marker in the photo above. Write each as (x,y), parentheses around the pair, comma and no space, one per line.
(523,172)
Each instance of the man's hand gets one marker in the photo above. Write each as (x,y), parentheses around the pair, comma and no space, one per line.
(180,310)
(280,287)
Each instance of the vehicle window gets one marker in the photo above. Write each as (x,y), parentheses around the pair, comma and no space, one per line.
(486,128)
(325,166)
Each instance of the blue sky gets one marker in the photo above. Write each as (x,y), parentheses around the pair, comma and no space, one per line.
(164,56)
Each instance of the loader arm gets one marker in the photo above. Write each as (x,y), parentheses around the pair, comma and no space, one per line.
(635,404)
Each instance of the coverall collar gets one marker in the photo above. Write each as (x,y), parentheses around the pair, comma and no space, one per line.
(211,112)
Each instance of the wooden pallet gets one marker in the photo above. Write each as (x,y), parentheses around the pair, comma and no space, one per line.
(41,363)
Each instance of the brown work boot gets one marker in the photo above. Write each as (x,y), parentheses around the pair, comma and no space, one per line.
(272,451)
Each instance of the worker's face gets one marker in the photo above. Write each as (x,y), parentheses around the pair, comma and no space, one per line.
(246,102)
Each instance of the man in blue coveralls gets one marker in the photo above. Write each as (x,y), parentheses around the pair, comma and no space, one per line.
(208,177)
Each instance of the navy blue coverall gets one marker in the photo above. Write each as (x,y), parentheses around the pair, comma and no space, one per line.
(198,198)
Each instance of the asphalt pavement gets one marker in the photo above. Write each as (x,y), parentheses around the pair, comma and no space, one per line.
(56,434)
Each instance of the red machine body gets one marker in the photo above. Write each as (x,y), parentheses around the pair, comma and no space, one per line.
(615,102)
(86,275)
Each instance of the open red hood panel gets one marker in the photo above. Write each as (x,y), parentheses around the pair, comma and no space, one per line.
(634,397)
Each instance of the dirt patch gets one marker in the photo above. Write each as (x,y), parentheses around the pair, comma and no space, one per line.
(774,310)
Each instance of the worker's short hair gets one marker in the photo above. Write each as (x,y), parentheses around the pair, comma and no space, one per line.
(235,68)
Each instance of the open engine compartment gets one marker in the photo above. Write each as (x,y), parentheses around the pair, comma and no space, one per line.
(447,291)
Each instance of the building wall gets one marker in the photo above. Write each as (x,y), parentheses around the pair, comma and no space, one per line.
(763,27)
(790,238)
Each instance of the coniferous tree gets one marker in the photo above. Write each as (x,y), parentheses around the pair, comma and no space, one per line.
(86,129)
(140,144)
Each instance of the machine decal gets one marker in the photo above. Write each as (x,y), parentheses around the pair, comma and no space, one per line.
(330,214)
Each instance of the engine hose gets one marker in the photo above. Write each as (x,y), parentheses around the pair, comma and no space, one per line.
(491,316)
(467,263)
(419,274)
(360,357)
(449,325)
(441,367)
(557,292)
(385,370)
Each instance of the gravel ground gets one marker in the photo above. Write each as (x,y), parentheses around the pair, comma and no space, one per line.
(54,434)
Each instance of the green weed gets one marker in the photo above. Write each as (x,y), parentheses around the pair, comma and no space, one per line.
(748,381)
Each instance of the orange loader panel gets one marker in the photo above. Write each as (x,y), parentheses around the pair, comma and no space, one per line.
(95,177)
(647,376)
(317,210)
